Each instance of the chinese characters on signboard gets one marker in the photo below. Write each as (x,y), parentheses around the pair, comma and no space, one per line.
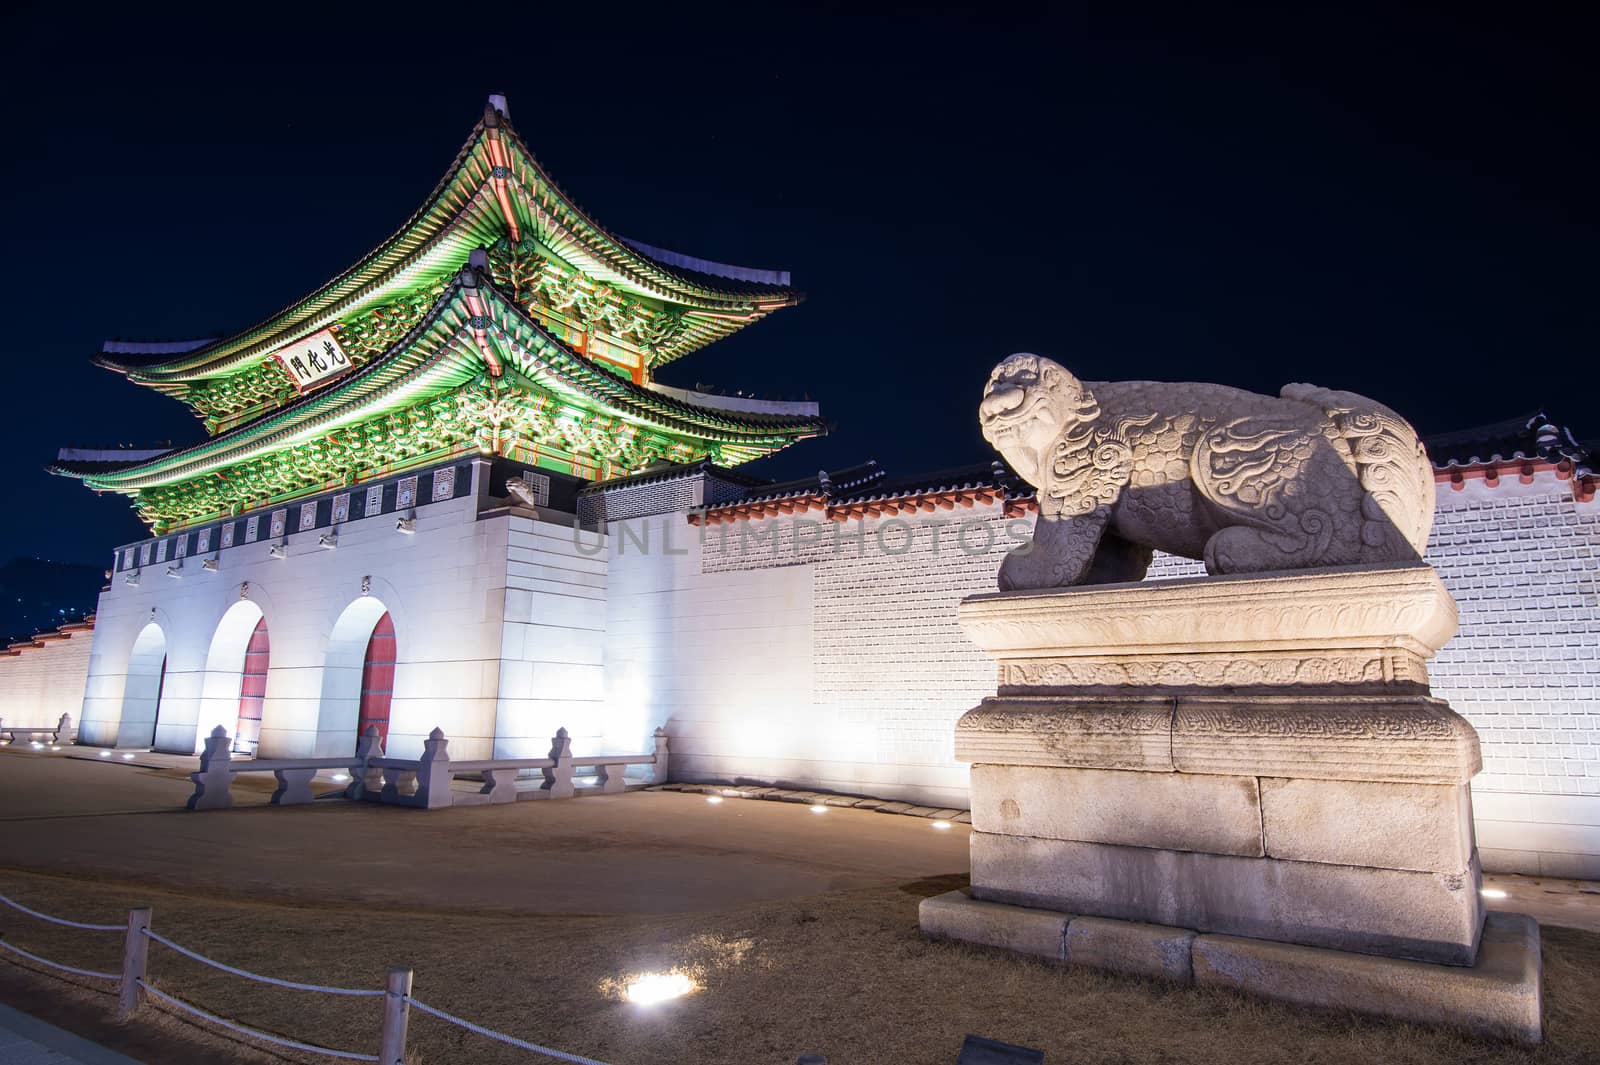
(313,360)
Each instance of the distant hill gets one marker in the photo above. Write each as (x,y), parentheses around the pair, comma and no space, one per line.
(36,595)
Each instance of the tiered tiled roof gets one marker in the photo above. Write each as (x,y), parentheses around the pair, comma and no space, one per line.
(866,491)
(1523,446)
(434,357)
(55,635)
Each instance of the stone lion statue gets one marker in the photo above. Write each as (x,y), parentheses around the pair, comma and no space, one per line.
(1246,482)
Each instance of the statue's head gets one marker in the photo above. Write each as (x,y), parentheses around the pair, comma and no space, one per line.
(1028,404)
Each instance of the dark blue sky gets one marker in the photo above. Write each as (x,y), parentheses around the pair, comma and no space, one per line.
(1398,203)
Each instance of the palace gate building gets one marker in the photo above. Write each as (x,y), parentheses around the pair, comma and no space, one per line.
(444,489)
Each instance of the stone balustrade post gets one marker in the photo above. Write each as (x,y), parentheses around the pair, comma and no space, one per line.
(558,778)
(135,952)
(294,786)
(611,778)
(659,774)
(434,773)
(213,784)
(500,785)
(366,779)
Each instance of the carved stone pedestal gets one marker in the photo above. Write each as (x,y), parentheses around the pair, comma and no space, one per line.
(1258,756)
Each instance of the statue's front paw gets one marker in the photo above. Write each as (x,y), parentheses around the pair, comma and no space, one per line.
(1035,569)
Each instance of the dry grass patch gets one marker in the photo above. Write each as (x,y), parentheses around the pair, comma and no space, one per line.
(846,975)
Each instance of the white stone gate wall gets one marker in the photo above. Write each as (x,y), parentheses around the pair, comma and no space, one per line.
(551,672)
(444,586)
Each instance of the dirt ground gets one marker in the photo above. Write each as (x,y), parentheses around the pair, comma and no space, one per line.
(799,929)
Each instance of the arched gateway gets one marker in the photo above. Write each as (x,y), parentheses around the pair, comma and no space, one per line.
(357,677)
(141,692)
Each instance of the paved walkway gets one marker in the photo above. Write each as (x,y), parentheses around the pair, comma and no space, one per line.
(645,852)
(639,853)
(26,1040)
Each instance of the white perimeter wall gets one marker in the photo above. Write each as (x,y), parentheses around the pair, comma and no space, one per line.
(1523,562)
(42,683)
(776,654)
(844,668)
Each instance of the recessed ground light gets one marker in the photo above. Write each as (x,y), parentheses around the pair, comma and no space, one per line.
(53,747)
(730,792)
(1492,893)
(105,754)
(659,987)
(819,809)
(127,757)
(37,745)
(340,778)
(713,799)
(941,824)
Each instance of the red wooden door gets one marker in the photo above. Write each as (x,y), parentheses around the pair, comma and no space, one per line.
(377,679)
(252,690)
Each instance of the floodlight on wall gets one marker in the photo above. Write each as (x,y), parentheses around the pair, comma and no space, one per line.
(328,541)
(131,579)
(408,526)
(209,565)
(175,571)
(279,550)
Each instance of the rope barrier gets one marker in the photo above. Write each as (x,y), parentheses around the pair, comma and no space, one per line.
(58,965)
(492,1034)
(14,904)
(253,1033)
(248,975)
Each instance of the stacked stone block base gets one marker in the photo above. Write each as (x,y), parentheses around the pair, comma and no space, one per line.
(1255,762)
(1498,996)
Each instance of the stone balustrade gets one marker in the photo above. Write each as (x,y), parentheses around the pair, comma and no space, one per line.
(63,732)
(425,782)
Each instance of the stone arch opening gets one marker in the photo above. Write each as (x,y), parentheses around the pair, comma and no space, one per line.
(345,673)
(141,692)
(233,693)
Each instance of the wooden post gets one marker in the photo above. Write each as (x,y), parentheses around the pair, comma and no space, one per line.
(396,1013)
(135,949)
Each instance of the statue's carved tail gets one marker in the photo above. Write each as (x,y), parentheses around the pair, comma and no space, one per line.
(1393,468)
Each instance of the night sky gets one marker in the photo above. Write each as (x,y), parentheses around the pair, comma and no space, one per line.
(1398,204)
